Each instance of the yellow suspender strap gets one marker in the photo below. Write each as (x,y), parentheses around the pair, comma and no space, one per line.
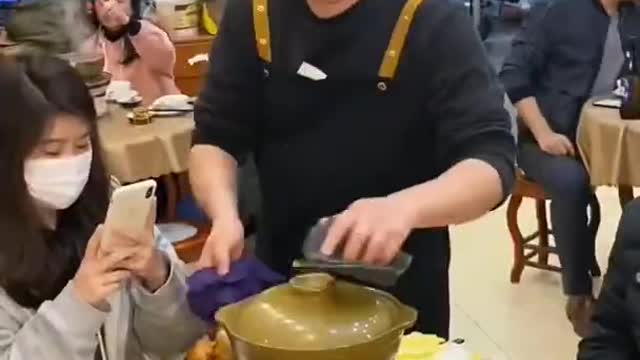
(261,26)
(392,55)
(398,39)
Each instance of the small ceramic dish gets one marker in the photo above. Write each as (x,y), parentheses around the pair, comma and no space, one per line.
(169,102)
(131,102)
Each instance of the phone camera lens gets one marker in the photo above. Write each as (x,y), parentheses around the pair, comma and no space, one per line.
(149,193)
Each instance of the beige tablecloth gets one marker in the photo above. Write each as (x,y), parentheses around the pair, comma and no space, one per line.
(134,153)
(610,147)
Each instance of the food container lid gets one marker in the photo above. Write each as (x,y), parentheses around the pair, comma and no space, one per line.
(315,312)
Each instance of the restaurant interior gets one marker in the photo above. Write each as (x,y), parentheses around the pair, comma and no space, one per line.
(506,277)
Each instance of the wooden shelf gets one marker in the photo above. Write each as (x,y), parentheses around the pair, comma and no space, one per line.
(202,37)
(190,78)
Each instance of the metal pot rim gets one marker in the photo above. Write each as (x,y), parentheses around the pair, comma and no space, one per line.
(406,318)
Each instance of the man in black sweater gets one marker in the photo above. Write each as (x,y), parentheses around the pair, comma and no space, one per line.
(567,52)
(394,153)
(616,321)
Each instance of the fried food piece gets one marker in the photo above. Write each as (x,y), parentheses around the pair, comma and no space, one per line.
(207,349)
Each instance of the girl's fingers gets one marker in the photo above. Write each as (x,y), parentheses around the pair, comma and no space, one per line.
(139,254)
(115,259)
(130,264)
(115,277)
(126,241)
(111,289)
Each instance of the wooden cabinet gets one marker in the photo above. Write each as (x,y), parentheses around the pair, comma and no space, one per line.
(190,77)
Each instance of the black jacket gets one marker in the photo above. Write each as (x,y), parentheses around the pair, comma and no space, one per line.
(557,55)
(617,318)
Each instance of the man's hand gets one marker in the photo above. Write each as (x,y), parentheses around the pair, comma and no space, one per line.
(549,141)
(556,144)
(224,245)
(371,230)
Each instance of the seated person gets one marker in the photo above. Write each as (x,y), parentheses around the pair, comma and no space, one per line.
(38,26)
(135,50)
(616,321)
(61,298)
(6,10)
(567,52)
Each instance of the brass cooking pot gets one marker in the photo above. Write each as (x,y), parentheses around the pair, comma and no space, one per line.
(315,317)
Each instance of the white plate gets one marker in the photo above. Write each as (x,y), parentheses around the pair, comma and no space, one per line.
(171,111)
(131,102)
(116,94)
(159,114)
(177,232)
(171,102)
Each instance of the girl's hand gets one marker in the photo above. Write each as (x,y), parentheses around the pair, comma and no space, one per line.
(99,277)
(148,263)
(112,14)
(119,16)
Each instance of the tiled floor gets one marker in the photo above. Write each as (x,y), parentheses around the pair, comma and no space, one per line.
(497,319)
(505,321)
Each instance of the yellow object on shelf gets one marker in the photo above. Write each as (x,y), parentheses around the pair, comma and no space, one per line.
(208,24)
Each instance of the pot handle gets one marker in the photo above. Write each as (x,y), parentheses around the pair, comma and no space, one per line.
(408,317)
(312,282)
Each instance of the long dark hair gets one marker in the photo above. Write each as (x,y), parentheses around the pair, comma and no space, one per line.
(130,53)
(35,263)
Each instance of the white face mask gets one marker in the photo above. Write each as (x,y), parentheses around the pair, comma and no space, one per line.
(58,183)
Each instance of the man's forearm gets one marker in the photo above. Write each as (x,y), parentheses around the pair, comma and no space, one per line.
(465,192)
(530,113)
(213,175)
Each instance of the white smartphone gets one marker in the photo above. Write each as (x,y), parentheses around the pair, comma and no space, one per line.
(129,210)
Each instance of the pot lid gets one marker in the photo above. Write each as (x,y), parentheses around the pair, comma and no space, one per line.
(315,312)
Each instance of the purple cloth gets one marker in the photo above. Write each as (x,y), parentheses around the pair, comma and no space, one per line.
(209,291)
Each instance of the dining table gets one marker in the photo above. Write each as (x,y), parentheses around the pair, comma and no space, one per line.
(610,147)
(157,150)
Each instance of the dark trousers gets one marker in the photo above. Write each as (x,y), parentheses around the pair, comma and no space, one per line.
(566,181)
(425,286)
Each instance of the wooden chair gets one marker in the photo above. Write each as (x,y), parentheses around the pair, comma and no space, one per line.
(189,250)
(528,251)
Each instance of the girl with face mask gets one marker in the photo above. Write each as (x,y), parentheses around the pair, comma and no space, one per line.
(61,298)
(135,50)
